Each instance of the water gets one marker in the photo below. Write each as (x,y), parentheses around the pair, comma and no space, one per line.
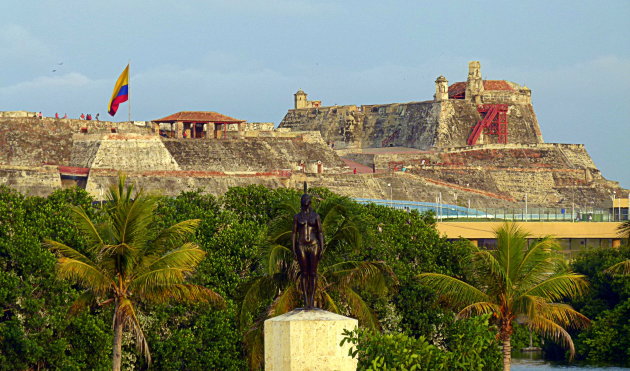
(533,361)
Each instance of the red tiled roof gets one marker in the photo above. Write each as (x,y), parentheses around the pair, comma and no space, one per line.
(198,116)
(496,85)
(460,87)
(456,89)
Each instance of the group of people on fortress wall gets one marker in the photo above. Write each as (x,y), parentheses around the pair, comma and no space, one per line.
(65,116)
(88,117)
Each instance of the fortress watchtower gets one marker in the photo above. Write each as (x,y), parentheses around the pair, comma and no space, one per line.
(300,101)
(441,89)
(474,86)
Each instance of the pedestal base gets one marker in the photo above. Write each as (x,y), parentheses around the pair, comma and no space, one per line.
(308,340)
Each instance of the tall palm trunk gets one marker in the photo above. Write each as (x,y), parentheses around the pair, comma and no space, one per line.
(507,353)
(118,328)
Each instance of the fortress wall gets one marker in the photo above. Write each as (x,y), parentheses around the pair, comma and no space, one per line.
(33,141)
(400,124)
(405,125)
(34,181)
(421,125)
(251,155)
(459,117)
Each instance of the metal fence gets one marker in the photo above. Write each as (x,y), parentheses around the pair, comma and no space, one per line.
(454,212)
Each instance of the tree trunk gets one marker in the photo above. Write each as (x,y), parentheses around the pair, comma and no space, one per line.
(507,354)
(117,356)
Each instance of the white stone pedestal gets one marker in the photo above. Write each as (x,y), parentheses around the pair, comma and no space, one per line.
(308,340)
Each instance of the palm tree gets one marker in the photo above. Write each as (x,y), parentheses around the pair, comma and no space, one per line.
(517,283)
(127,262)
(623,267)
(340,283)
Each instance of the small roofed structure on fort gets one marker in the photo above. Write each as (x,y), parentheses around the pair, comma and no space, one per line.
(198,124)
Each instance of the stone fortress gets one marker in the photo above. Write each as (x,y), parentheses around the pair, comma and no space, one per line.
(476,142)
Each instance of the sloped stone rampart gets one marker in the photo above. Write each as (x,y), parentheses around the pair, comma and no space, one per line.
(133,153)
(247,155)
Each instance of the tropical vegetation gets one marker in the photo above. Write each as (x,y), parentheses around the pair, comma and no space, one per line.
(234,233)
(607,340)
(128,263)
(517,283)
(470,345)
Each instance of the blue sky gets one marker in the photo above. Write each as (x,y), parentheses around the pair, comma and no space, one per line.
(246,58)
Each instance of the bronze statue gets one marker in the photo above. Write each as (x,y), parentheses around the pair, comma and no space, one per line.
(308,245)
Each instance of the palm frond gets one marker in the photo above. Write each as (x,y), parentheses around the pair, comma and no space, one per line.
(126,314)
(278,256)
(487,260)
(260,290)
(359,308)
(559,286)
(173,236)
(328,303)
(67,251)
(132,220)
(622,268)
(183,293)
(563,314)
(551,330)
(285,302)
(165,276)
(511,245)
(537,251)
(460,292)
(187,256)
(374,277)
(537,271)
(85,225)
(479,308)
(83,273)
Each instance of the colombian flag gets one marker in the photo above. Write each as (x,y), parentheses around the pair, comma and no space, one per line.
(121,91)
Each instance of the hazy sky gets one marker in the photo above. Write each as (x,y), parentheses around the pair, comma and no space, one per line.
(246,58)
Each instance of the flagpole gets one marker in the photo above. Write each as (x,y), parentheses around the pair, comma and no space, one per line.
(129,94)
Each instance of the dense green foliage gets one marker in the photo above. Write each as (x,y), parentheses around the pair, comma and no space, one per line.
(468,345)
(37,332)
(608,305)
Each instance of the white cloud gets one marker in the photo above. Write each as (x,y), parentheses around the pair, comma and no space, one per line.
(17,42)
(69,80)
